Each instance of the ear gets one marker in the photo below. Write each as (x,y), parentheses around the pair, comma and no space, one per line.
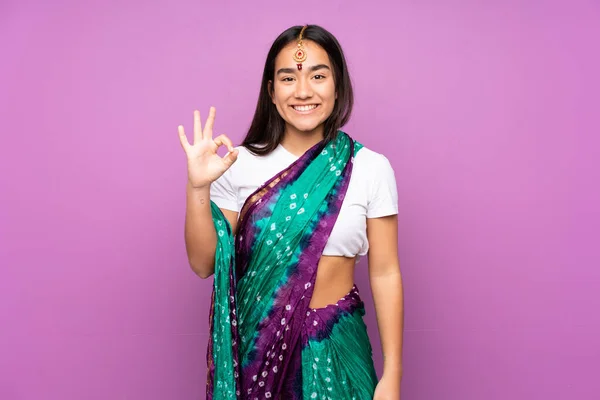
(270,89)
(336,95)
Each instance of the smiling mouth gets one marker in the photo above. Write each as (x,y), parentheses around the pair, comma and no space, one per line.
(305,108)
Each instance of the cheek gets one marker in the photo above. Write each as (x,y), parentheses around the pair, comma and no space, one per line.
(280,95)
(331,95)
(329,92)
(279,100)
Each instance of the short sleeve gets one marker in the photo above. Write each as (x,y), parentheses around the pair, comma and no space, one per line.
(383,194)
(223,192)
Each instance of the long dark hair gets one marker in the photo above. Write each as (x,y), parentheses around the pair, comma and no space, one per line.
(267,128)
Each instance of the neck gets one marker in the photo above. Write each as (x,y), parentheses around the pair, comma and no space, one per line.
(298,142)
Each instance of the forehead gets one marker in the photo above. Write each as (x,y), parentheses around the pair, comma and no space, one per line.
(315,54)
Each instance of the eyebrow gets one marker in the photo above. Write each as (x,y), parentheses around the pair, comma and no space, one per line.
(311,69)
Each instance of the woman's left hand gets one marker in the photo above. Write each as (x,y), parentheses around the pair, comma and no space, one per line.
(387,389)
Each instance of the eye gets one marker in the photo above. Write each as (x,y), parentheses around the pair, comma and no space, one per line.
(318,77)
(287,79)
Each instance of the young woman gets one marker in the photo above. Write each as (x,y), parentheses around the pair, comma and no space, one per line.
(281,221)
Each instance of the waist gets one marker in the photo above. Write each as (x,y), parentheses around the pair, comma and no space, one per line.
(335,277)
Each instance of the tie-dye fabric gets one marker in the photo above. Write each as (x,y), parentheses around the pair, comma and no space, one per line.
(337,361)
(262,344)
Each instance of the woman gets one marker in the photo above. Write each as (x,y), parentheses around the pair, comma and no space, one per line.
(281,221)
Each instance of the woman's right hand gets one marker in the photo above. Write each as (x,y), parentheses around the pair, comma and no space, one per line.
(204,164)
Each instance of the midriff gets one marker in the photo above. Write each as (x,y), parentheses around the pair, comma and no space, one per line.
(335,278)
(335,274)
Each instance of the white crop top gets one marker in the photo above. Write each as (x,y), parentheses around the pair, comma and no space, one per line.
(371,193)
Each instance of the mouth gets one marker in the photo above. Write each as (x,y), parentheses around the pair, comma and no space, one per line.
(305,109)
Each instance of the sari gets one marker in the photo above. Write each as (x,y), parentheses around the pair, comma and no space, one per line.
(265,341)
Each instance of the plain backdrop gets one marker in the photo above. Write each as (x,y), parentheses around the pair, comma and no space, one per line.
(487,110)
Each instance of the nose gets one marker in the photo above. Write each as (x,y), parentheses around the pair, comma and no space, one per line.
(303,88)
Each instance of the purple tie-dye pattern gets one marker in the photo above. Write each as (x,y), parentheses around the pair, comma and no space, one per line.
(234,330)
(297,292)
(259,209)
(243,250)
(328,316)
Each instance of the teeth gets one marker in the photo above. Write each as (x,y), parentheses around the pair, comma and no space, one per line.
(305,108)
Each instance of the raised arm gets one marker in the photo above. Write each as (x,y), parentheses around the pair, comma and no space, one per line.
(204,167)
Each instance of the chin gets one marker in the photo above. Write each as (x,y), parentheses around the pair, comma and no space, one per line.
(306,127)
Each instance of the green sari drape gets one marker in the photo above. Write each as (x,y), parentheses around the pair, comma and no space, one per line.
(265,340)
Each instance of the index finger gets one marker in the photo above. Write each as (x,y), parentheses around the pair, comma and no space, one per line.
(210,121)
(197,127)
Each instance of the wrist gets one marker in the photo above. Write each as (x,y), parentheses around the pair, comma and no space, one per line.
(199,189)
(393,370)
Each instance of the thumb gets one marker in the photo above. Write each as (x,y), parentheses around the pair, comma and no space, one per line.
(231,157)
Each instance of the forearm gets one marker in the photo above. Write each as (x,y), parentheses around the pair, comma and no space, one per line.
(389,306)
(200,234)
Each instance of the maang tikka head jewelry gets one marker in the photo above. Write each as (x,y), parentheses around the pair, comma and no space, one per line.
(300,53)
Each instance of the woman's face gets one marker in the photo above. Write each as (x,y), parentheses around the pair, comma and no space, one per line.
(304,98)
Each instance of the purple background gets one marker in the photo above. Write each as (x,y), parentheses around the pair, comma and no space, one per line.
(488,112)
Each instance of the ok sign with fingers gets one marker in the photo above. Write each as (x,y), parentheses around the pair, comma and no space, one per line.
(204,164)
